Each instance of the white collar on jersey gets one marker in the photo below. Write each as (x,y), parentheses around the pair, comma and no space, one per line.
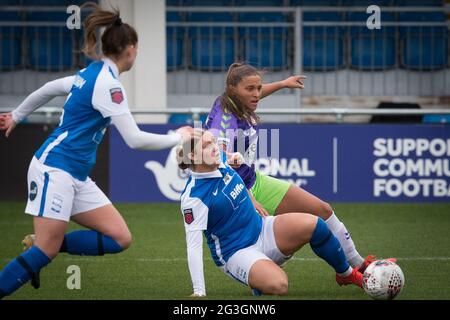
(113,66)
(205,175)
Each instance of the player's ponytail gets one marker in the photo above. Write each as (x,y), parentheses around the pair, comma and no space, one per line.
(229,100)
(116,37)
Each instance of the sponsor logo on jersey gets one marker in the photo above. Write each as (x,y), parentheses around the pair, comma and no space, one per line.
(188,215)
(116,95)
(236,190)
(79,82)
(33,190)
(227,179)
(57,203)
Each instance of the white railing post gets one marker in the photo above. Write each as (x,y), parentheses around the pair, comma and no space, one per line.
(298,52)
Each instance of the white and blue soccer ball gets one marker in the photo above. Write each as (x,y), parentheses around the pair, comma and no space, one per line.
(383,280)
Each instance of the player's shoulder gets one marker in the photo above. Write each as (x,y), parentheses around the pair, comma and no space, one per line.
(107,78)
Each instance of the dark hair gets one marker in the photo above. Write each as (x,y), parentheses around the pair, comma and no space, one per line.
(183,151)
(116,37)
(229,101)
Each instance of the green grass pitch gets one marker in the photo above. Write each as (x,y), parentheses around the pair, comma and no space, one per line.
(155,266)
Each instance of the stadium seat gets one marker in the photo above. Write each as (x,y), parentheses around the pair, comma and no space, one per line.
(174,42)
(372,49)
(424,48)
(365,3)
(61,3)
(315,2)
(418,3)
(50,48)
(212,48)
(184,118)
(265,47)
(260,3)
(436,118)
(323,47)
(10,42)
(207,3)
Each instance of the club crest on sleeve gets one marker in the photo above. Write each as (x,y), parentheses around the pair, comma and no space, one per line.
(116,95)
(188,215)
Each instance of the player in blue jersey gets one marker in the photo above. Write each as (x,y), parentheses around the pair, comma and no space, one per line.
(58,177)
(234,116)
(244,245)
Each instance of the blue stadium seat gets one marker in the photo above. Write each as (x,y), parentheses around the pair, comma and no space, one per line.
(265,47)
(212,48)
(61,3)
(10,42)
(436,118)
(174,42)
(208,3)
(11,48)
(323,47)
(418,3)
(372,49)
(260,3)
(315,2)
(184,118)
(424,47)
(366,3)
(50,48)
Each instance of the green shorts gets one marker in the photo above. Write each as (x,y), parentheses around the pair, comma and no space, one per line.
(269,191)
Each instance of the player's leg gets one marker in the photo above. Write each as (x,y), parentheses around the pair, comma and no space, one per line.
(92,209)
(299,200)
(252,267)
(292,230)
(267,277)
(108,233)
(49,235)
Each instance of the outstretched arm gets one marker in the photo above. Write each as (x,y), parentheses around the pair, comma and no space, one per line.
(195,261)
(41,96)
(293,82)
(58,87)
(135,138)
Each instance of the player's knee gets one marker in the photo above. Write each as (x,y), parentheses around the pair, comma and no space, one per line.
(325,210)
(126,240)
(278,286)
(123,238)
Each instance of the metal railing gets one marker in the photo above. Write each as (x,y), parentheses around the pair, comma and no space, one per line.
(335,66)
(51,113)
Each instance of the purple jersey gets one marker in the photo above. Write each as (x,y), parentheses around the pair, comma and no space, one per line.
(243,138)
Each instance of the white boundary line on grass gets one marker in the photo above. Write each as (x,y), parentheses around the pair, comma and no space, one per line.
(100,259)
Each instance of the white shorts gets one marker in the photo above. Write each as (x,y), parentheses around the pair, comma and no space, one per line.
(239,264)
(54,193)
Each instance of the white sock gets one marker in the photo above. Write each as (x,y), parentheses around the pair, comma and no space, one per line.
(341,233)
(347,272)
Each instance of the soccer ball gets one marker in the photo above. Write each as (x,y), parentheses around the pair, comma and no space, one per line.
(383,280)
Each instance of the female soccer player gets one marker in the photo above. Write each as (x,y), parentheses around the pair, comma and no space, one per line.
(58,177)
(235,110)
(243,244)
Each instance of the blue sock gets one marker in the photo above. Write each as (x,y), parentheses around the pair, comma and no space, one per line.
(327,246)
(19,271)
(89,243)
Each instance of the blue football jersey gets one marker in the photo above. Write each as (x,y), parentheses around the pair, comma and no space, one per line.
(95,96)
(218,203)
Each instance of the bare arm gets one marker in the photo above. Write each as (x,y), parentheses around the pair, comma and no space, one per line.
(293,82)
